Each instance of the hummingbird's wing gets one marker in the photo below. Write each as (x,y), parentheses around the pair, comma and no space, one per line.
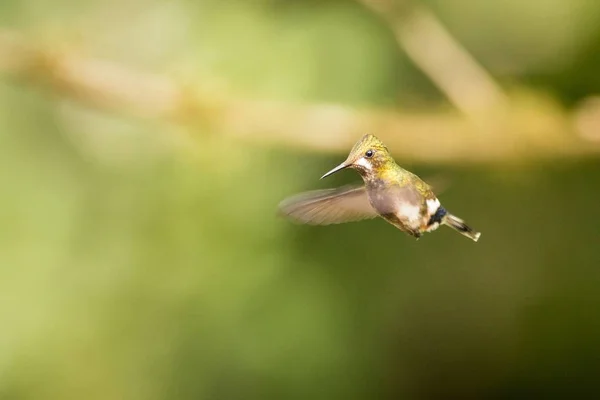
(329,206)
(438,183)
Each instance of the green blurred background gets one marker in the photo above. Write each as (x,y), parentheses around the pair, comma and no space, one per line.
(132,267)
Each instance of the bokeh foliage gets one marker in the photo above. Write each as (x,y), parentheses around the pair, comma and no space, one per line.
(138,264)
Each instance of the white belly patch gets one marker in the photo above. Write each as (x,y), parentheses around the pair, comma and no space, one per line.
(432,206)
(410,214)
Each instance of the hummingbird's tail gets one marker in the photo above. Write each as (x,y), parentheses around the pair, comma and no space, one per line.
(460,226)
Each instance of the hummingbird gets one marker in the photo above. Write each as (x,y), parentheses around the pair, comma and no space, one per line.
(388,191)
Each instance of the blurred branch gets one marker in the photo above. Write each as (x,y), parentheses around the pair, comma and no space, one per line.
(531,127)
(587,119)
(100,83)
(441,57)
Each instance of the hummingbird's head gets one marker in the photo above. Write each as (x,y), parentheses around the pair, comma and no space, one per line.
(368,156)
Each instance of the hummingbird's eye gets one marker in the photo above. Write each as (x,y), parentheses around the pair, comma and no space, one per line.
(369,153)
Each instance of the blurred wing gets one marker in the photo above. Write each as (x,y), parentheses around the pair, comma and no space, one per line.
(329,206)
(438,183)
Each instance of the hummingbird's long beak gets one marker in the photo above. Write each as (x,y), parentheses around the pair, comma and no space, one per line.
(340,167)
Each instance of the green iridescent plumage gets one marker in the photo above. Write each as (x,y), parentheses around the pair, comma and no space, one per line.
(389,191)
